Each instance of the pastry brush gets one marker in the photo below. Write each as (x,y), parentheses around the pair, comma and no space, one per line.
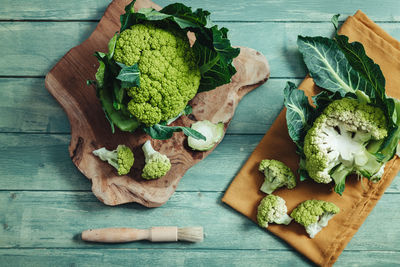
(154,234)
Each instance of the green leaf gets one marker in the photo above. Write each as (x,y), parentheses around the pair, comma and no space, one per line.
(111,46)
(335,21)
(126,18)
(129,75)
(298,112)
(197,18)
(302,169)
(324,98)
(358,59)
(118,95)
(163,132)
(329,67)
(188,110)
(100,74)
(115,117)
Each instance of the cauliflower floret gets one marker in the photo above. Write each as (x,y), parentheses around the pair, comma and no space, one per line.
(157,164)
(121,158)
(337,143)
(169,75)
(314,215)
(272,209)
(277,175)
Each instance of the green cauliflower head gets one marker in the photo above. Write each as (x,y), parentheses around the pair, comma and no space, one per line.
(337,144)
(272,209)
(157,164)
(277,175)
(169,74)
(314,215)
(121,158)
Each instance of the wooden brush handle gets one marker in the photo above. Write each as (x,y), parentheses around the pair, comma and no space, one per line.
(115,235)
(121,235)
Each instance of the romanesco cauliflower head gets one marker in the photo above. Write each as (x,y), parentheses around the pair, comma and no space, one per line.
(157,164)
(337,143)
(272,209)
(169,74)
(277,175)
(314,215)
(121,158)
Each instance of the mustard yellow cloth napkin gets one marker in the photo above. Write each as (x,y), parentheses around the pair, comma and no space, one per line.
(357,201)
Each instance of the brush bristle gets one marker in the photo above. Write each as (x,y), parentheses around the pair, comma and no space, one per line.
(190,234)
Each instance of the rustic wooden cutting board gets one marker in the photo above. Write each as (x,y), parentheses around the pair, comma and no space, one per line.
(90,129)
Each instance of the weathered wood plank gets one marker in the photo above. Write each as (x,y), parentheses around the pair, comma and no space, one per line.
(177,257)
(26,106)
(49,41)
(52,219)
(41,162)
(256,10)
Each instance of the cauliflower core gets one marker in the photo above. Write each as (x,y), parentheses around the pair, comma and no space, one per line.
(169,74)
(337,143)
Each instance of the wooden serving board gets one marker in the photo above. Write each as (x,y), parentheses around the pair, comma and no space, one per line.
(90,129)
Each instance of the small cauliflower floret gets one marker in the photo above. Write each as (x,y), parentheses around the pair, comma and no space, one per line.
(157,164)
(277,175)
(337,144)
(314,215)
(169,74)
(121,158)
(272,209)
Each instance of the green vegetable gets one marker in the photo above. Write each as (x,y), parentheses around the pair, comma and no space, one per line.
(272,209)
(157,164)
(121,158)
(151,72)
(337,143)
(314,215)
(212,132)
(277,175)
(352,126)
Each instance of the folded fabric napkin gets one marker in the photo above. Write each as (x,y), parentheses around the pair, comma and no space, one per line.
(357,201)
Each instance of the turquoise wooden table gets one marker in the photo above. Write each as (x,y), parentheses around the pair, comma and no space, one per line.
(45,201)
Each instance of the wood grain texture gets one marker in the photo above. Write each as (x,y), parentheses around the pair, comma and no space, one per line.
(177,257)
(45,115)
(41,161)
(52,219)
(90,129)
(255,10)
(49,41)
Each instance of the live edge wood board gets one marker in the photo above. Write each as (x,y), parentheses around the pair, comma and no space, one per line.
(90,129)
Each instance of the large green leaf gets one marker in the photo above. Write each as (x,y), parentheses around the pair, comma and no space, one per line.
(123,122)
(364,65)
(129,75)
(329,67)
(298,113)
